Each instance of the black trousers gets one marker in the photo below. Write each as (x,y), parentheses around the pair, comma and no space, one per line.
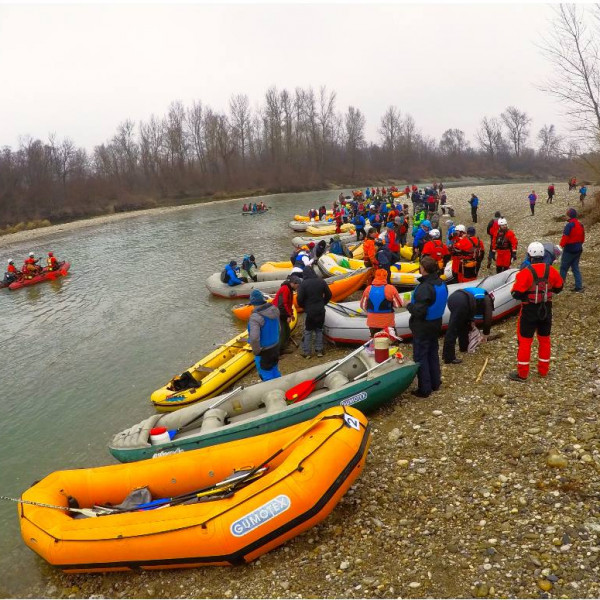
(458,326)
(474,214)
(425,352)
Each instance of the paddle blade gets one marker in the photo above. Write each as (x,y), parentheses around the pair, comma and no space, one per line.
(300,391)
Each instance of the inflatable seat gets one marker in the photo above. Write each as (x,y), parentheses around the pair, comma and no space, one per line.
(335,380)
(275,401)
(213,419)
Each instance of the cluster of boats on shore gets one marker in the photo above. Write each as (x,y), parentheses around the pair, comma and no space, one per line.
(237,472)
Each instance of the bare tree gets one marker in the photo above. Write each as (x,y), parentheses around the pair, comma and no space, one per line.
(194,123)
(63,155)
(489,136)
(239,106)
(517,125)
(454,142)
(550,142)
(574,49)
(389,129)
(355,134)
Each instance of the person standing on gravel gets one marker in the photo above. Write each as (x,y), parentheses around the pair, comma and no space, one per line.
(492,230)
(313,295)
(474,202)
(532,200)
(534,286)
(572,245)
(426,308)
(504,246)
(551,193)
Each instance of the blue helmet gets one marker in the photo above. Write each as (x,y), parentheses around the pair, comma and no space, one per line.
(426,223)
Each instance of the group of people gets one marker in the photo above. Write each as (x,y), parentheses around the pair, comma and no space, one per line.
(582,189)
(232,274)
(30,268)
(254,207)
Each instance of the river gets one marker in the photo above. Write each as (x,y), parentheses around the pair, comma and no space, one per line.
(81,355)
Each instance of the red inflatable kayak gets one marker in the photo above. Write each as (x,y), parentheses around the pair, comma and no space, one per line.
(45,275)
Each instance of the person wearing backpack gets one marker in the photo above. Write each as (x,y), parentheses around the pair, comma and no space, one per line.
(284,301)
(263,336)
(229,274)
(435,248)
(504,246)
(470,251)
(534,286)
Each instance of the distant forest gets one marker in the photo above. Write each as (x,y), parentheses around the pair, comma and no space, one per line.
(293,141)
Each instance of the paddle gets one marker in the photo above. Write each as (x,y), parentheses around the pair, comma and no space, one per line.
(303,389)
(213,405)
(88,512)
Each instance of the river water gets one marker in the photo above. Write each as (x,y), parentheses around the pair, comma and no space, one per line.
(80,356)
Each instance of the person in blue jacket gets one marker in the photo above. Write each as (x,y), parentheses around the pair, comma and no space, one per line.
(582,193)
(420,235)
(359,223)
(474,202)
(426,308)
(231,274)
(263,336)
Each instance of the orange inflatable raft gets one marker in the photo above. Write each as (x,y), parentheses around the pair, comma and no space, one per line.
(291,480)
(340,289)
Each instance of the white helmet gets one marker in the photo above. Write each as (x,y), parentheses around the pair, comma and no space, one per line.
(461,228)
(434,234)
(372,206)
(31,254)
(10,261)
(502,222)
(535,249)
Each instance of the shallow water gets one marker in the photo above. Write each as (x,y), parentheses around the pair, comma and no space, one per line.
(81,355)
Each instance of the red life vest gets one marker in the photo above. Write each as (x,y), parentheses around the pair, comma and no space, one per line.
(501,242)
(540,290)
(12,269)
(577,233)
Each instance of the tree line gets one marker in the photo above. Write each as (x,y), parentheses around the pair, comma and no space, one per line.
(293,141)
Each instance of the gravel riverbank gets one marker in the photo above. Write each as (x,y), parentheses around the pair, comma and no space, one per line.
(484,489)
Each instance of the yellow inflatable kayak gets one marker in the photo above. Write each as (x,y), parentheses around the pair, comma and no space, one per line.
(328,229)
(210,376)
(284,265)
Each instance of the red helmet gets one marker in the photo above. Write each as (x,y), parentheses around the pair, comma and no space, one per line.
(50,254)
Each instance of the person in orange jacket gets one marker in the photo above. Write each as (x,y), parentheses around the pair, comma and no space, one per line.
(436,249)
(30,266)
(470,250)
(534,286)
(12,273)
(504,246)
(369,249)
(457,234)
(379,300)
(52,262)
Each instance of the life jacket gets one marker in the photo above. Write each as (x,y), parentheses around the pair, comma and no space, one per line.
(478,294)
(501,242)
(540,290)
(470,260)
(52,263)
(298,264)
(436,310)
(391,239)
(438,253)
(269,332)
(377,302)
(12,269)
(577,234)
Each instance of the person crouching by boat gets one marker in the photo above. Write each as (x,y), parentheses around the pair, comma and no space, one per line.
(229,275)
(30,266)
(534,287)
(313,295)
(301,260)
(465,305)
(379,300)
(12,273)
(249,268)
(52,262)
(284,301)
(426,308)
(263,336)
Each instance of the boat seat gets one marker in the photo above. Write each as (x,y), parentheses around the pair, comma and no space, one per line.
(213,419)
(335,380)
(275,401)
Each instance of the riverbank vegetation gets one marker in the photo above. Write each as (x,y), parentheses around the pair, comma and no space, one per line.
(295,141)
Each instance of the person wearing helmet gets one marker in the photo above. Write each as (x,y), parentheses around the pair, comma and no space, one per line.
(571,242)
(470,252)
(457,233)
(12,273)
(534,286)
(474,202)
(52,262)
(420,237)
(229,275)
(30,267)
(504,246)
(492,230)
(436,248)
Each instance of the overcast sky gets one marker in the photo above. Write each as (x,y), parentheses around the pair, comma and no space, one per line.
(80,69)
